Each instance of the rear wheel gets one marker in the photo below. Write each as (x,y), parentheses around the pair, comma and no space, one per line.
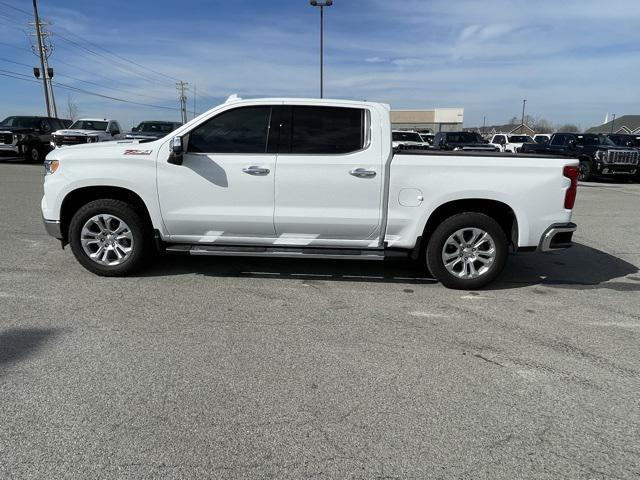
(34,154)
(467,251)
(109,238)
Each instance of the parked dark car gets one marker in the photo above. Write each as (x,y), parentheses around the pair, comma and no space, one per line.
(625,140)
(152,130)
(27,136)
(598,155)
(466,141)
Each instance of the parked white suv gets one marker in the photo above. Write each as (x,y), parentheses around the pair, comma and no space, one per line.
(87,130)
(304,178)
(408,139)
(510,143)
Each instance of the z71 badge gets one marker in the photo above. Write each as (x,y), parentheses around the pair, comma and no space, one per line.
(138,152)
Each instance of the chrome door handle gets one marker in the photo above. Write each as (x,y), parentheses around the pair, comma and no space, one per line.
(254,170)
(362,173)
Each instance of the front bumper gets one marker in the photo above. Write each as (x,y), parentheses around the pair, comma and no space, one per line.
(53,228)
(9,150)
(557,237)
(612,169)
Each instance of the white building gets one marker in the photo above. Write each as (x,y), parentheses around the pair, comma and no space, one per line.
(434,120)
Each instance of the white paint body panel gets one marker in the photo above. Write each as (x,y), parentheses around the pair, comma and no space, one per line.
(310,200)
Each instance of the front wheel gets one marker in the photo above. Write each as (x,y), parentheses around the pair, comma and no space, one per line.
(109,238)
(585,171)
(467,251)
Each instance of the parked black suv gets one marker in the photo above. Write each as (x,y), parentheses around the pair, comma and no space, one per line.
(28,137)
(467,141)
(152,130)
(625,140)
(598,155)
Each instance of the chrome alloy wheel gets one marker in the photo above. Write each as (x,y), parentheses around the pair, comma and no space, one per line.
(106,239)
(469,253)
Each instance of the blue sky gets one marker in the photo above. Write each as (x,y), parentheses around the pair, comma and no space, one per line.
(573,60)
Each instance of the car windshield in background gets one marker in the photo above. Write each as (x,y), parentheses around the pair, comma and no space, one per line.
(89,125)
(464,137)
(594,140)
(521,139)
(155,127)
(20,122)
(406,137)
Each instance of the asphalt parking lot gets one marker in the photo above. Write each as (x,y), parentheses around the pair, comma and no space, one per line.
(252,368)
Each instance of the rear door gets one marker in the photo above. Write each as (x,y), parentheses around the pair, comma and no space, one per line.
(329,174)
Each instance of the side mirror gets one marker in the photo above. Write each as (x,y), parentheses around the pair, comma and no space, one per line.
(177,151)
(572,144)
(134,129)
(629,144)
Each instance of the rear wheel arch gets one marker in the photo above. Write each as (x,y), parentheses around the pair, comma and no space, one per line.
(75,199)
(502,213)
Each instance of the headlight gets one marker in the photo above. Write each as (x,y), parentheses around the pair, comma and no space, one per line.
(17,137)
(601,155)
(51,166)
(52,143)
(92,139)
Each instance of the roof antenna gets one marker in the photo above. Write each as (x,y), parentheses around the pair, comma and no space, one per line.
(233,98)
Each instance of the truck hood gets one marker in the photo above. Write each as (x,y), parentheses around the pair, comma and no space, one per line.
(16,130)
(78,132)
(105,150)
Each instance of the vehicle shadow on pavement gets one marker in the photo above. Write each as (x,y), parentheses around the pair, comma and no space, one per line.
(579,267)
(19,343)
(389,271)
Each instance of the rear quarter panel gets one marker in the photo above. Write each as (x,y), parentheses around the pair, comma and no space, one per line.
(534,188)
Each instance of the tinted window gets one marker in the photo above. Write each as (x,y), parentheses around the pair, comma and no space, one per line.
(558,140)
(89,125)
(462,137)
(326,130)
(242,130)
(406,137)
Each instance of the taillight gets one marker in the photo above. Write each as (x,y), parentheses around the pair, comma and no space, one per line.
(572,173)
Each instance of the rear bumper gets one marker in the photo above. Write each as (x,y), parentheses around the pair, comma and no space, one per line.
(557,237)
(53,228)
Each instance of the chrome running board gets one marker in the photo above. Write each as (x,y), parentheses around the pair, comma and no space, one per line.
(277,252)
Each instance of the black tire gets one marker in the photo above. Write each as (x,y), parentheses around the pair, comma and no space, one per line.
(585,171)
(467,220)
(34,153)
(141,244)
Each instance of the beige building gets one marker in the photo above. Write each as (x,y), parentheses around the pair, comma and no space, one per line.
(434,121)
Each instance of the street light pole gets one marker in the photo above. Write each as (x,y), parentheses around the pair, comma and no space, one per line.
(524,102)
(321,4)
(613,122)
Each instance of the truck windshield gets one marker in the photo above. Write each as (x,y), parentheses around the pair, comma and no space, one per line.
(464,137)
(89,125)
(156,127)
(406,137)
(520,139)
(20,122)
(593,139)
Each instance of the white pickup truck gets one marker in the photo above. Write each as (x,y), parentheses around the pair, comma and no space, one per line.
(304,178)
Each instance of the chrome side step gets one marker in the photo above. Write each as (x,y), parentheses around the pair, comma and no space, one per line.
(280,252)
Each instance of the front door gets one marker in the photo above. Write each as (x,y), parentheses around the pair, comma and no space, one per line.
(329,178)
(224,190)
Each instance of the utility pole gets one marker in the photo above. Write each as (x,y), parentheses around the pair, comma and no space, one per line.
(42,50)
(524,102)
(182,87)
(484,122)
(194,100)
(321,4)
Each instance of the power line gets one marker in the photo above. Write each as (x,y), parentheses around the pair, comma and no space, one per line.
(15,8)
(119,56)
(27,78)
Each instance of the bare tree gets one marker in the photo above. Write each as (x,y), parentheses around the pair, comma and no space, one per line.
(72,108)
(568,128)
(538,124)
